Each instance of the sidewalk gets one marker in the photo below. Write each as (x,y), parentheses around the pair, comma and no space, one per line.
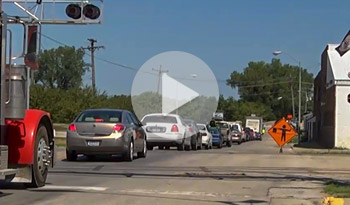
(314,148)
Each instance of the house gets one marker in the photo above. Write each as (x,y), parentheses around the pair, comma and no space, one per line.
(331,106)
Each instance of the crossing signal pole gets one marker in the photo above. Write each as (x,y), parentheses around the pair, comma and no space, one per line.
(92,48)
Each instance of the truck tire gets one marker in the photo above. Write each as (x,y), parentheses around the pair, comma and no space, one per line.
(39,169)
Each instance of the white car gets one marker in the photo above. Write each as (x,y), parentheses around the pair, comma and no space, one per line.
(207,138)
(166,130)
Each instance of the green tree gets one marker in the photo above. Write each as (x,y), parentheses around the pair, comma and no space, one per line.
(61,67)
(271,85)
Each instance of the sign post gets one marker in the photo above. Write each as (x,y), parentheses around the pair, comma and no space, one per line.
(282,132)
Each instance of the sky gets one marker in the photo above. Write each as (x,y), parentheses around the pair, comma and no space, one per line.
(226,34)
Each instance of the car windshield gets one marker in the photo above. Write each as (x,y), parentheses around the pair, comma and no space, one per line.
(100,116)
(214,131)
(222,125)
(159,119)
(201,127)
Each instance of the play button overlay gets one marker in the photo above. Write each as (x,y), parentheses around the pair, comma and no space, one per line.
(175,94)
(175,82)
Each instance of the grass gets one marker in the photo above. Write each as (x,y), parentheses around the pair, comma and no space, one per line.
(60,142)
(338,189)
(60,127)
(294,140)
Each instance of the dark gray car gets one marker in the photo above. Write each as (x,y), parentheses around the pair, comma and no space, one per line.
(106,132)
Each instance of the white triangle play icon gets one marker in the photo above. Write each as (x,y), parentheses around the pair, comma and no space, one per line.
(175,94)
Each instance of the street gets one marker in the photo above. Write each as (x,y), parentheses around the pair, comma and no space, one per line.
(250,173)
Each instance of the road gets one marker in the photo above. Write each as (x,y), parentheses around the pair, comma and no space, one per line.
(250,173)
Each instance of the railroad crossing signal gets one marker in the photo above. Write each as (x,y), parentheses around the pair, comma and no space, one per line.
(282,132)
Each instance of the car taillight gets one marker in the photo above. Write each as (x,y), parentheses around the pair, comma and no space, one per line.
(118,127)
(174,128)
(72,127)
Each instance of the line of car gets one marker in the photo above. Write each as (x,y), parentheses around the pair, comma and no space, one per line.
(118,132)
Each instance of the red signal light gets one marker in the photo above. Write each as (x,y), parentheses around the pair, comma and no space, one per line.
(91,11)
(73,11)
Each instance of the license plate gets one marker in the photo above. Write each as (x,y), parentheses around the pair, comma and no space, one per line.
(93,143)
(156,129)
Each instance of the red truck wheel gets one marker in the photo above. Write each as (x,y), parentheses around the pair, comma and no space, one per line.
(41,158)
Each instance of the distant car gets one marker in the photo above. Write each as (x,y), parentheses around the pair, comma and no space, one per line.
(257,136)
(225,132)
(218,140)
(105,131)
(207,138)
(166,130)
(236,136)
(196,137)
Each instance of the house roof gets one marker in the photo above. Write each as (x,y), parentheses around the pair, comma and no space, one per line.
(339,65)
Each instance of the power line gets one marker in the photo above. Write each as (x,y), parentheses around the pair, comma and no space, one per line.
(240,84)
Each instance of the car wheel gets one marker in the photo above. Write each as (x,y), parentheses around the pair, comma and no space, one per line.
(161,147)
(129,155)
(206,146)
(188,147)
(149,147)
(194,147)
(239,142)
(143,153)
(229,143)
(41,158)
(181,147)
(167,147)
(220,145)
(71,155)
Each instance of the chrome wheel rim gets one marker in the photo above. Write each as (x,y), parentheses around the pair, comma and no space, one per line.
(41,156)
(131,150)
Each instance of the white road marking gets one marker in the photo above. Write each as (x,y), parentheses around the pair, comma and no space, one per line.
(181,193)
(72,188)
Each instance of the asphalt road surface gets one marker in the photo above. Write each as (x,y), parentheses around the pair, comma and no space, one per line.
(250,173)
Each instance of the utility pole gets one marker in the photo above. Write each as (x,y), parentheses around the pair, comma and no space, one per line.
(160,73)
(92,49)
(292,90)
(299,107)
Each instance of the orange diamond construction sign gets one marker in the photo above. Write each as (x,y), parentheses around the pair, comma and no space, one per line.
(282,132)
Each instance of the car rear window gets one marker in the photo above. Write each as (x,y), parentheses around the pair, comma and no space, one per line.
(100,116)
(222,125)
(234,127)
(214,131)
(160,119)
(201,127)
